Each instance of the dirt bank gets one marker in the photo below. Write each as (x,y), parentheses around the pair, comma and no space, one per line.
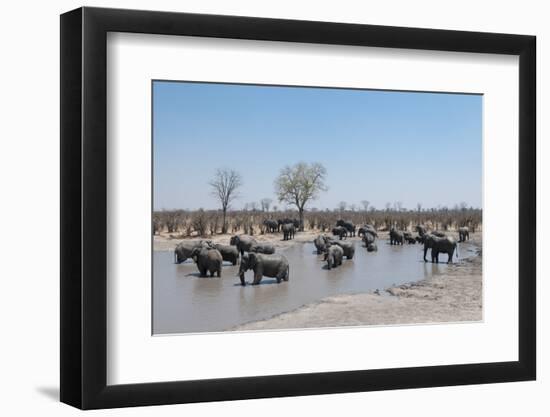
(451,297)
(167,242)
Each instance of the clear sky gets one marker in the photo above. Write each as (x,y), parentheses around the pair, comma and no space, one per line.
(380,146)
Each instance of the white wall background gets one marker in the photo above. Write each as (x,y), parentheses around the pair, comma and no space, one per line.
(29,177)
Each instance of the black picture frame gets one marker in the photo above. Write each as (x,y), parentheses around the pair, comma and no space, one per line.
(84,207)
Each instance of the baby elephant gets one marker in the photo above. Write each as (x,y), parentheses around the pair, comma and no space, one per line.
(334,256)
(273,266)
(208,260)
(264,248)
(229,253)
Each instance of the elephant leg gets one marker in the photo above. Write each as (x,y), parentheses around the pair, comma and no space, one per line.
(425,251)
(257,278)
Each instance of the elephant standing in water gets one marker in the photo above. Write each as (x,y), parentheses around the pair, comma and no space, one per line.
(367,229)
(347,247)
(265,248)
(229,253)
(368,238)
(320,244)
(439,245)
(333,256)
(208,260)
(396,237)
(184,250)
(273,266)
(243,243)
(463,234)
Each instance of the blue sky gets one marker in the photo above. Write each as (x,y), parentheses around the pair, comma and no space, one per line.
(380,146)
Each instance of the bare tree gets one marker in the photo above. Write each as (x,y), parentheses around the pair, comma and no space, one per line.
(224,187)
(266,203)
(419,207)
(300,183)
(365,204)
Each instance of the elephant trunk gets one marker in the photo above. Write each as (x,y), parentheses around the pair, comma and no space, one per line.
(425,251)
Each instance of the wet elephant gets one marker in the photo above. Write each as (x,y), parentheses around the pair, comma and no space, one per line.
(229,253)
(273,266)
(208,260)
(439,245)
(184,250)
(396,237)
(333,256)
(347,247)
(243,243)
(265,248)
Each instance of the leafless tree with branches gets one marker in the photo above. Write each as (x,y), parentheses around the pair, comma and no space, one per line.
(224,187)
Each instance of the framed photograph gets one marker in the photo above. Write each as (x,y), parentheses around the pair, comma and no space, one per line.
(257,208)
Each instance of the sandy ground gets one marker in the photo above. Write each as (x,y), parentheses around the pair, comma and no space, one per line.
(451,297)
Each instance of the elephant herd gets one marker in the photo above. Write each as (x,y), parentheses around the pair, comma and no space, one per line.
(263,261)
(258,257)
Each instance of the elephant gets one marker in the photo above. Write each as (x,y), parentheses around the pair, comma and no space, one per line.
(349,226)
(367,229)
(208,260)
(368,238)
(347,247)
(243,243)
(371,247)
(184,249)
(334,256)
(439,245)
(271,226)
(229,253)
(264,248)
(320,244)
(288,231)
(282,222)
(273,266)
(396,237)
(409,238)
(340,231)
(421,229)
(463,234)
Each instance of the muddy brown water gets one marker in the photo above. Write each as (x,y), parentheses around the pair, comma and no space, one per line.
(183,302)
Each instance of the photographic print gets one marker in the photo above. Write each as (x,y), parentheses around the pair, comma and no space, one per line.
(289,207)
